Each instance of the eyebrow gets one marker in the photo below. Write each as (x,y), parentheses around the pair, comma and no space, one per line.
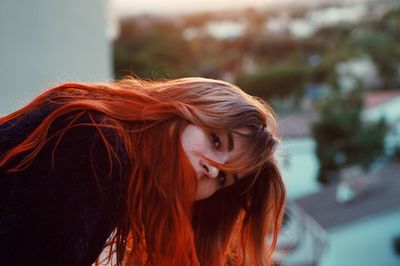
(231,145)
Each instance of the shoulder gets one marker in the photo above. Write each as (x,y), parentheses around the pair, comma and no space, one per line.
(72,126)
(82,141)
(73,188)
(87,139)
(13,131)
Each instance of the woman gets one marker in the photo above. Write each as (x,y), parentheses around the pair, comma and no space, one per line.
(177,172)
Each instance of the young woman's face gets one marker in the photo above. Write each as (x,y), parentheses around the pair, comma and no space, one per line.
(221,147)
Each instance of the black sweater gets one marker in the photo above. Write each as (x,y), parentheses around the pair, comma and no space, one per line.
(60,214)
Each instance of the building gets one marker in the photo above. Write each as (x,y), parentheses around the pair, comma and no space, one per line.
(345,222)
(46,42)
(297,157)
(386,105)
(353,222)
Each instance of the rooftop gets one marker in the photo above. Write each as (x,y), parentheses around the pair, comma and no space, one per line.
(380,195)
(296,125)
(375,98)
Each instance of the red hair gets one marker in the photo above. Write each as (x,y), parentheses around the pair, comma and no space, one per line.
(160,223)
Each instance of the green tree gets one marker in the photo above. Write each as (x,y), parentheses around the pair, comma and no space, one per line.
(379,39)
(342,137)
(153,51)
(385,52)
(280,81)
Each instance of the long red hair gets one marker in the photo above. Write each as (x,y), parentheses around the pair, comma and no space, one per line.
(161,224)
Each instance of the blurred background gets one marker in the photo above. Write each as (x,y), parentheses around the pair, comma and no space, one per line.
(330,69)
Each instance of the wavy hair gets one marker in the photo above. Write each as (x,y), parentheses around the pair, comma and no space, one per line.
(161,223)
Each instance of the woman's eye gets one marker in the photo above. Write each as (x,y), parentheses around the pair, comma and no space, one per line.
(222,178)
(216,141)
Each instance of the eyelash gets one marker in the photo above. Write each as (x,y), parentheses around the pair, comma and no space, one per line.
(215,140)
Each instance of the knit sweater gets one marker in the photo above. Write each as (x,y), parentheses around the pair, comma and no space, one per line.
(60,213)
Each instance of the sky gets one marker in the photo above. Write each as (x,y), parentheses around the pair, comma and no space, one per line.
(129,7)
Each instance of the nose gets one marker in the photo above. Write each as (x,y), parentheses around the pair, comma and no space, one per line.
(209,170)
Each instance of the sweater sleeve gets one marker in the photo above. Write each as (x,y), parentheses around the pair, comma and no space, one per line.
(63,213)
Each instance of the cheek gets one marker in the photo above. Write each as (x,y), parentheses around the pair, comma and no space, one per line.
(205,188)
(195,147)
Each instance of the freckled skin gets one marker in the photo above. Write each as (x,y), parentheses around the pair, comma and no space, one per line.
(197,143)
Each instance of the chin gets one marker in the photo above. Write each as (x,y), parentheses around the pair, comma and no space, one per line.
(202,194)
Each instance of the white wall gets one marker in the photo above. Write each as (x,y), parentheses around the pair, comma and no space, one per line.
(45,42)
(366,242)
(299,166)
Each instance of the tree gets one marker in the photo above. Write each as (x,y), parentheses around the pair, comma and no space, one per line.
(385,52)
(342,137)
(280,81)
(379,39)
(153,51)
